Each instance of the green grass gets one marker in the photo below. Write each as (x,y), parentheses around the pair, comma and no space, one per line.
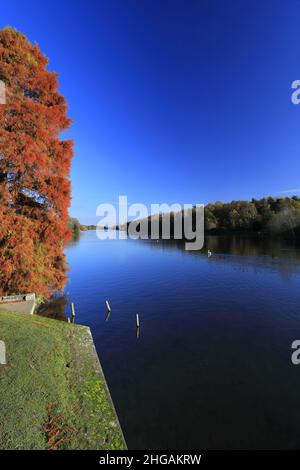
(52,392)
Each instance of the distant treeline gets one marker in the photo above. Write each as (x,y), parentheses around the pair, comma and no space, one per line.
(74,225)
(77,227)
(267,216)
(87,227)
(272,215)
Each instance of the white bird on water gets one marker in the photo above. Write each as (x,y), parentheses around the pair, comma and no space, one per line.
(209,253)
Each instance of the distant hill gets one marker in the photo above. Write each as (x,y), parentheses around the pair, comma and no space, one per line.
(267,215)
(83,228)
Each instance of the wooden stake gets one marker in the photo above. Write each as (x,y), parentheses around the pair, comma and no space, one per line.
(73,312)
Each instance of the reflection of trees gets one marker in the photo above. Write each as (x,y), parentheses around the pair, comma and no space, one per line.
(55,308)
(243,252)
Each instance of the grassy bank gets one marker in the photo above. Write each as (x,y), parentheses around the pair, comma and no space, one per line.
(53,393)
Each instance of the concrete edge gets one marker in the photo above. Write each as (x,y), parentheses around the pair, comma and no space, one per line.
(97,361)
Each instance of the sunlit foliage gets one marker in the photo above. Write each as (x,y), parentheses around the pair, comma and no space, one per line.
(34,171)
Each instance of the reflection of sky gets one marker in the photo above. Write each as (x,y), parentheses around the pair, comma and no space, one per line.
(216,330)
(244,253)
(139,268)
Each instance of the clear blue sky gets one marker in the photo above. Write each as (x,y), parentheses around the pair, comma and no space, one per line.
(173,101)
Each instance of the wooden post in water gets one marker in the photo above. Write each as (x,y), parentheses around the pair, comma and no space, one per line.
(137,320)
(73,312)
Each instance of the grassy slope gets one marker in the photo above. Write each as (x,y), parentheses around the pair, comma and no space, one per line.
(51,392)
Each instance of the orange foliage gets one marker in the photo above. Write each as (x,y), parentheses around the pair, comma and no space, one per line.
(34,171)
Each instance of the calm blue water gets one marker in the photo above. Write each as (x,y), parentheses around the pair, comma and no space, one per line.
(212,366)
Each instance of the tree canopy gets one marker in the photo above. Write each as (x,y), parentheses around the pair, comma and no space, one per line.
(34,170)
(273,215)
(278,216)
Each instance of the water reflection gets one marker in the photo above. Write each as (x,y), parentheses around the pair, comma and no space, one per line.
(211,368)
(244,252)
(56,308)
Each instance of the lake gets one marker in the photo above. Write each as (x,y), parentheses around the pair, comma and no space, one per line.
(211,368)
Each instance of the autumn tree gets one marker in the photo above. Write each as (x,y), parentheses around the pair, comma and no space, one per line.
(34,171)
